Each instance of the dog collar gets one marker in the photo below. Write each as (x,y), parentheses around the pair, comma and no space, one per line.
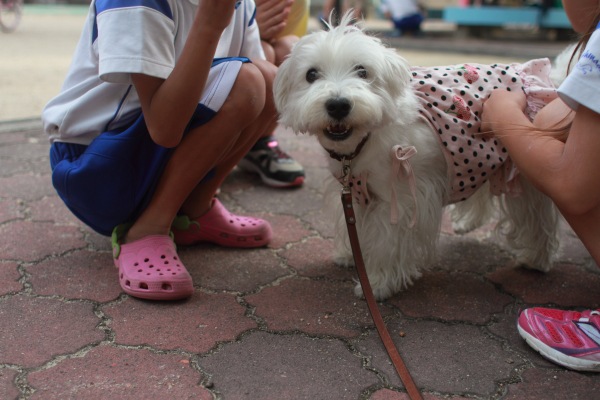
(340,157)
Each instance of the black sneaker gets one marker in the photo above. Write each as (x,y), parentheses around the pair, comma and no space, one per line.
(275,167)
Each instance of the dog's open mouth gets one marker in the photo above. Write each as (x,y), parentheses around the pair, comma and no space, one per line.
(338,132)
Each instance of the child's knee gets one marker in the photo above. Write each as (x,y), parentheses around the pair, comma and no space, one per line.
(248,95)
(268,72)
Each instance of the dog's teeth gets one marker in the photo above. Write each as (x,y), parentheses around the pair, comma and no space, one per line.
(337,129)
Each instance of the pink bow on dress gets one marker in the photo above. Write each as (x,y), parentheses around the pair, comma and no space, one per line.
(401,168)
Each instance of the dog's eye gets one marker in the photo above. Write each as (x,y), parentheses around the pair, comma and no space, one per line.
(361,71)
(312,75)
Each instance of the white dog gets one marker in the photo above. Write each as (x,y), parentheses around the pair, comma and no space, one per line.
(411,137)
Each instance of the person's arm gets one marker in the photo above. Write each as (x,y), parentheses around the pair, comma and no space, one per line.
(168,104)
(556,116)
(568,172)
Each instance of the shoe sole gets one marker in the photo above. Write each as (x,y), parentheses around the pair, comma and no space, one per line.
(250,167)
(216,238)
(556,356)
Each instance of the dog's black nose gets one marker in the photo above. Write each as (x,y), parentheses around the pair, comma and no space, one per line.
(338,108)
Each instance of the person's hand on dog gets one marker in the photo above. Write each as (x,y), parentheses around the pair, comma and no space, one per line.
(501,106)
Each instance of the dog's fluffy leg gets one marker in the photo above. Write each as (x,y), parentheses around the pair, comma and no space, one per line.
(396,254)
(530,225)
(472,212)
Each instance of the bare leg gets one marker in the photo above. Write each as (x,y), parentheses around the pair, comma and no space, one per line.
(198,202)
(218,145)
(586,228)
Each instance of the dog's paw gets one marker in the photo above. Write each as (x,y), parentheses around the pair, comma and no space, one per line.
(464,222)
(542,267)
(463,226)
(344,260)
(535,260)
(380,293)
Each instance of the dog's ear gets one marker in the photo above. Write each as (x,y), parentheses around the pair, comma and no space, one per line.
(395,72)
(282,85)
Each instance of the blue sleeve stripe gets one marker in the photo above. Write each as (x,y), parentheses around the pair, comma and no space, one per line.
(220,60)
(161,6)
(251,22)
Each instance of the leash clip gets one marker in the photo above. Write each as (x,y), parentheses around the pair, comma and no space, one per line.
(346,175)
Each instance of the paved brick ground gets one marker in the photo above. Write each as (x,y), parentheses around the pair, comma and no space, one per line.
(273,323)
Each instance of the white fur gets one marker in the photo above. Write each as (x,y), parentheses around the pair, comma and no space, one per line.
(384,106)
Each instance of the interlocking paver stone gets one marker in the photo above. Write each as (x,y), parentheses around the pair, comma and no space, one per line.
(28,241)
(82,274)
(240,270)
(554,384)
(35,330)
(455,296)
(287,367)
(504,328)
(320,263)
(387,394)
(287,230)
(8,390)
(10,209)
(566,285)
(459,359)
(290,202)
(457,253)
(193,325)
(27,186)
(119,373)
(315,307)
(9,276)
(52,209)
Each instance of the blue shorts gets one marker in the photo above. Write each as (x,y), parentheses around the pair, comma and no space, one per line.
(111,181)
(411,23)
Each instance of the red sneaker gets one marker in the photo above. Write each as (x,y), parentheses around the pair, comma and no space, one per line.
(567,338)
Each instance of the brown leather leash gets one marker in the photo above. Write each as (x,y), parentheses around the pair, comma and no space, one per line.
(409,384)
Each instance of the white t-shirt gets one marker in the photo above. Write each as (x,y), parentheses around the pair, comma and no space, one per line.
(120,38)
(582,85)
(400,8)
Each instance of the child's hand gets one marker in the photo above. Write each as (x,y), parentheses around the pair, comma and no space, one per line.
(501,108)
(271,16)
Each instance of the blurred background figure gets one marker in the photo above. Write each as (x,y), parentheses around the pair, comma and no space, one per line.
(340,7)
(406,15)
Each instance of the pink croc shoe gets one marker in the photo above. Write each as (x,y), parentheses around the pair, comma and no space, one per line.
(221,227)
(150,268)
